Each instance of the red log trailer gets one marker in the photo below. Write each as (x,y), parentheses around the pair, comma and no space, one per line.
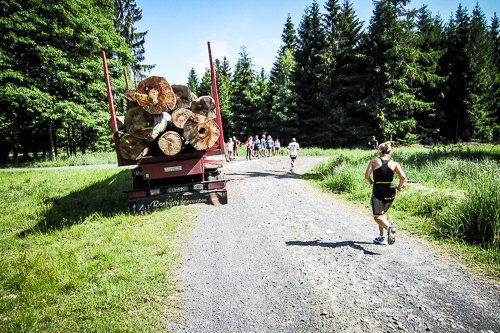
(160,181)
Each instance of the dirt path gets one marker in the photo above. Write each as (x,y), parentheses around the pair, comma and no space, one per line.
(281,257)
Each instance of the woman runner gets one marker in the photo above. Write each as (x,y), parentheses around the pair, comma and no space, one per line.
(383,169)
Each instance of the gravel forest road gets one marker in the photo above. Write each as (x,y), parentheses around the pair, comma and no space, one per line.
(283,257)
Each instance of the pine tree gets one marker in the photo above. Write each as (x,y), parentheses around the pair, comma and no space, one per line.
(223,78)
(429,40)
(341,84)
(242,98)
(193,81)
(126,15)
(281,99)
(392,62)
(481,83)
(308,75)
(205,87)
(455,65)
(495,44)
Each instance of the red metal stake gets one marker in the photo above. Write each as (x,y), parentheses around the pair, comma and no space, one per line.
(112,109)
(216,98)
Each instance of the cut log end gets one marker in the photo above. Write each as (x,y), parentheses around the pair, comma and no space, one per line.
(180,116)
(205,105)
(182,96)
(132,148)
(155,95)
(171,143)
(201,132)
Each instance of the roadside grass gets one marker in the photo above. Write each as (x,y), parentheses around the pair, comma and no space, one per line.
(72,259)
(64,160)
(452,197)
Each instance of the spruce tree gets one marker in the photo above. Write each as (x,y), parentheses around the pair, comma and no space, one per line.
(242,98)
(456,66)
(205,87)
(223,78)
(429,40)
(342,75)
(481,82)
(126,15)
(495,44)
(193,81)
(281,97)
(308,75)
(392,63)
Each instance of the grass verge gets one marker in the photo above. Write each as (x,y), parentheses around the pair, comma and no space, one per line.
(74,260)
(81,159)
(453,197)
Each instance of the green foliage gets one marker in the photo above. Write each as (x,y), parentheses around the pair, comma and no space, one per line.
(51,73)
(126,15)
(193,82)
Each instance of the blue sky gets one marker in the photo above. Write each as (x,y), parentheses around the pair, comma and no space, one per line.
(178,31)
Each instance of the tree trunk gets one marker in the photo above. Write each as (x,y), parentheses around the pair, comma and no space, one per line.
(144,125)
(4,156)
(182,96)
(205,105)
(171,143)
(155,95)
(132,148)
(201,132)
(52,153)
(180,116)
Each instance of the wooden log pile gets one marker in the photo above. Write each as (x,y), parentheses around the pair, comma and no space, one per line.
(170,118)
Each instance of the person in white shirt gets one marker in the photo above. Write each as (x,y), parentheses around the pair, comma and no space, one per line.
(294,150)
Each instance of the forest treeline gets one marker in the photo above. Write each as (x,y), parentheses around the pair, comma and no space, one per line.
(52,90)
(409,77)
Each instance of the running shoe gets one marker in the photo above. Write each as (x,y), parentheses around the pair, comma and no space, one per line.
(380,240)
(391,234)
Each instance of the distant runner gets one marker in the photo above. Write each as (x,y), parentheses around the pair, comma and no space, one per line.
(294,150)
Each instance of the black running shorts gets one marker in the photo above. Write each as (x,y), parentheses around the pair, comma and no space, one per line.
(380,206)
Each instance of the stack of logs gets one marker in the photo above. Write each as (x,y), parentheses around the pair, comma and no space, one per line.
(171,117)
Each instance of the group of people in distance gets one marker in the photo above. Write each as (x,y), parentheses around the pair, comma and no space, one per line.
(265,147)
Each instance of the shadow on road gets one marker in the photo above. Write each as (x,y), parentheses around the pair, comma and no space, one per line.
(352,244)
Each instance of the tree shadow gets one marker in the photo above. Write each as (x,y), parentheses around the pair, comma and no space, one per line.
(105,198)
(352,244)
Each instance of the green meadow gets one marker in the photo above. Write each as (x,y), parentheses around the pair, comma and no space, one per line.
(73,259)
(452,197)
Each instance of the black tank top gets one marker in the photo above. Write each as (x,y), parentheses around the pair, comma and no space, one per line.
(383,174)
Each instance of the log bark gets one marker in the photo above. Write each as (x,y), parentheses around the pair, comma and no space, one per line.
(120,122)
(182,96)
(130,95)
(132,148)
(155,95)
(144,125)
(180,116)
(204,105)
(201,132)
(171,143)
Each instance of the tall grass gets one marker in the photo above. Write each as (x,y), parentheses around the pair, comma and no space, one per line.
(73,160)
(453,193)
(74,260)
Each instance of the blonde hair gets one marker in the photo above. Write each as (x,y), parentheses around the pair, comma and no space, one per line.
(385,148)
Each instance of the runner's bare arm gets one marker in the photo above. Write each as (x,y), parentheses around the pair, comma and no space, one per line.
(402,176)
(368,172)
